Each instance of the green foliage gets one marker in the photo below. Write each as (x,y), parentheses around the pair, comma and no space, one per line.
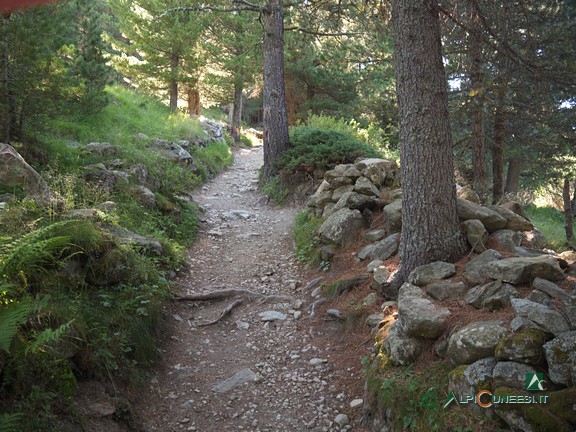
(313,148)
(12,315)
(276,190)
(304,231)
(10,422)
(551,222)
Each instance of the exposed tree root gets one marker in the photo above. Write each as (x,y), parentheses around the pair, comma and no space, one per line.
(223,313)
(234,292)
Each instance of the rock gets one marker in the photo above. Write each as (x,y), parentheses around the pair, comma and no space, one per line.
(336,314)
(342,419)
(402,349)
(370,300)
(374,235)
(550,288)
(475,341)
(341,227)
(373,320)
(356,403)
(317,361)
(506,239)
(393,216)
(327,252)
(345,285)
(381,275)
(104,178)
(366,187)
(171,151)
(353,200)
(87,213)
(515,222)
(145,196)
(272,315)
(521,270)
(514,207)
(470,379)
(539,297)
(102,149)
(561,358)
(418,316)
(380,250)
(373,265)
(446,290)
(380,172)
(492,296)
(468,194)
(521,324)
(476,234)
(425,274)
(535,239)
(320,199)
(16,173)
(128,237)
(477,263)
(339,192)
(569,256)
(491,220)
(549,319)
(241,377)
(511,374)
(522,307)
(523,346)
(570,308)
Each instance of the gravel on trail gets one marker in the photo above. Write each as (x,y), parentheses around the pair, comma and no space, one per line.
(264,366)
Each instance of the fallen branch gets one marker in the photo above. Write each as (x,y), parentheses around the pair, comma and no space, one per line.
(223,314)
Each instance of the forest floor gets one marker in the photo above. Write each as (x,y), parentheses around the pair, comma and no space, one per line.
(249,372)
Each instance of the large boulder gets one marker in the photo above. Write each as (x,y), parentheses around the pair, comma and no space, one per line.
(425,274)
(341,227)
(476,234)
(366,187)
(470,379)
(561,357)
(468,210)
(550,288)
(418,316)
(15,172)
(380,250)
(546,318)
(507,239)
(475,341)
(524,269)
(401,348)
(446,290)
(493,296)
(511,374)
(393,216)
(515,222)
(524,346)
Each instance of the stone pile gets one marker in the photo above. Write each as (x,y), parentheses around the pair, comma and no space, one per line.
(537,336)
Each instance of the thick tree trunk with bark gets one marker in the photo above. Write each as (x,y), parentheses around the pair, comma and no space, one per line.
(173,84)
(430,225)
(499,136)
(513,176)
(480,172)
(237,112)
(568,213)
(276,138)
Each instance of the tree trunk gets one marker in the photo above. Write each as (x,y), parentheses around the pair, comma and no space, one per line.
(513,176)
(237,112)
(480,172)
(276,139)
(499,134)
(173,84)
(574,199)
(430,225)
(7,111)
(193,100)
(568,213)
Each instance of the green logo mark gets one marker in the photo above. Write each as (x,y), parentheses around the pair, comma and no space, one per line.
(535,381)
(451,398)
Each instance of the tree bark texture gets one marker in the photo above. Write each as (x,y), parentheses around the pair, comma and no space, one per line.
(568,214)
(480,172)
(193,100)
(7,112)
(173,84)
(430,225)
(499,137)
(513,176)
(275,138)
(237,112)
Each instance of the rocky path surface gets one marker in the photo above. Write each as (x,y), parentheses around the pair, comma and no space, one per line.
(264,366)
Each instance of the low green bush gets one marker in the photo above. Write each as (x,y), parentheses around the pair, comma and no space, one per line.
(304,231)
(315,148)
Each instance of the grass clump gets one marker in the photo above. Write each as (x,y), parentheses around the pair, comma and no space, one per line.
(305,229)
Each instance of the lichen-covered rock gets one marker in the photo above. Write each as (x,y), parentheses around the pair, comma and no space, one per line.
(546,318)
(570,308)
(425,274)
(477,263)
(353,200)
(561,357)
(475,341)
(476,234)
(524,346)
(511,374)
(338,192)
(401,348)
(393,216)
(418,316)
(524,269)
(476,296)
(491,220)
(446,290)
(380,250)
(550,288)
(507,239)
(341,227)
(381,172)
(470,379)
(515,222)
(374,235)
(366,187)
(492,296)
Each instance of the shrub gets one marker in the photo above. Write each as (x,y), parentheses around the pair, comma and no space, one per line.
(313,148)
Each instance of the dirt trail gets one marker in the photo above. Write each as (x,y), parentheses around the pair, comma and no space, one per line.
(298,375)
